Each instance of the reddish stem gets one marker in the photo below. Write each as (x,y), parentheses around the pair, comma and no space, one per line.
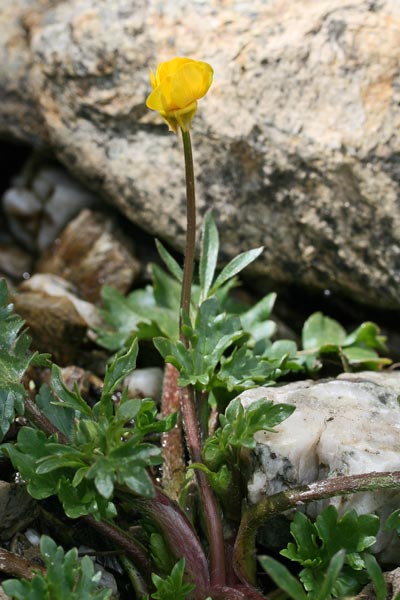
(173,470)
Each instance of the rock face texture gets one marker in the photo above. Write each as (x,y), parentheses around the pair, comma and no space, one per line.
(344,426)
(297,144)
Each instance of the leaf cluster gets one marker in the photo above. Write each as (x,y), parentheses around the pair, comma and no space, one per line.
(106,444)
(154,311)
(15,358)
(222,451)
(230,345)
(172,587)
(334,553)
(66,577)
(324,337)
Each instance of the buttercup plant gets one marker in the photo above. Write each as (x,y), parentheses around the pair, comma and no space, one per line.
(177,85)
(101,460)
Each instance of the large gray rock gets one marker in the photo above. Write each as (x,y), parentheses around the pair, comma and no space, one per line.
(297,143)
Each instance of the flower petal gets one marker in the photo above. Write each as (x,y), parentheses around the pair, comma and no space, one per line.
(170,67)
(189,83)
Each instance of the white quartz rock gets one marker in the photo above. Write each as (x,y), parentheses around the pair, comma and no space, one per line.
(145,383)
(343,426)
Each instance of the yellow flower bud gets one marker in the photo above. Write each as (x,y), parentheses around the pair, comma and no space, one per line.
(177,85)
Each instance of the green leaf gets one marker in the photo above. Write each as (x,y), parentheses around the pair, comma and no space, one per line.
(282,577)
(68,399)
(167,291)
(318,545)
(30,447)
(172,587)
(234,267)
(213,333)
(256,322)
(320,330)
(243,370)
(121,366)
(334,568)
(170,262)
(240,424)
(66,577)
(305,550)
(208,255)
(139,482)
(126,316)
(62,417)
(376,575)
(263,414)
(393,520)
(367,334)
(160,553)
(259,312)
(15,358)
(365,356)
(353,532)
(220,481)
(128,410)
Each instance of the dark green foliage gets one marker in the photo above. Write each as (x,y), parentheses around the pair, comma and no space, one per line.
(323,336)
(222,451)
(15,358)
(393,521)
(219,355)
(212,334)
(107,448)
(66,577)
(173,586)
(334,553)
(154,311)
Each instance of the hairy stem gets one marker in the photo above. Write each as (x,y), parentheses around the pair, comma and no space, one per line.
(255,516)
(188,405)
(173,469)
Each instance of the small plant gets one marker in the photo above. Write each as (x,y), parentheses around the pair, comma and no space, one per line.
(101,460)
(335,556)
(66,577)
(172,587)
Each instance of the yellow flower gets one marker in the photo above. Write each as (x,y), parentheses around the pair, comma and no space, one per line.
(177,85)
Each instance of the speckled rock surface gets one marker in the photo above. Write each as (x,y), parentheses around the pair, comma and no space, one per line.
(344,426)
(297,144)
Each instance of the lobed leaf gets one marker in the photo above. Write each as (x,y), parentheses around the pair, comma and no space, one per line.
(66,577)
(15,358)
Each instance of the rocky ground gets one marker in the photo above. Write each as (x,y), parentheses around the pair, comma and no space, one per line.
(60,245)
(296,147)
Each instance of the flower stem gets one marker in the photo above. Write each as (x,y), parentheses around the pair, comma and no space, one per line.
(255,516)
(188,405)
(190,245)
